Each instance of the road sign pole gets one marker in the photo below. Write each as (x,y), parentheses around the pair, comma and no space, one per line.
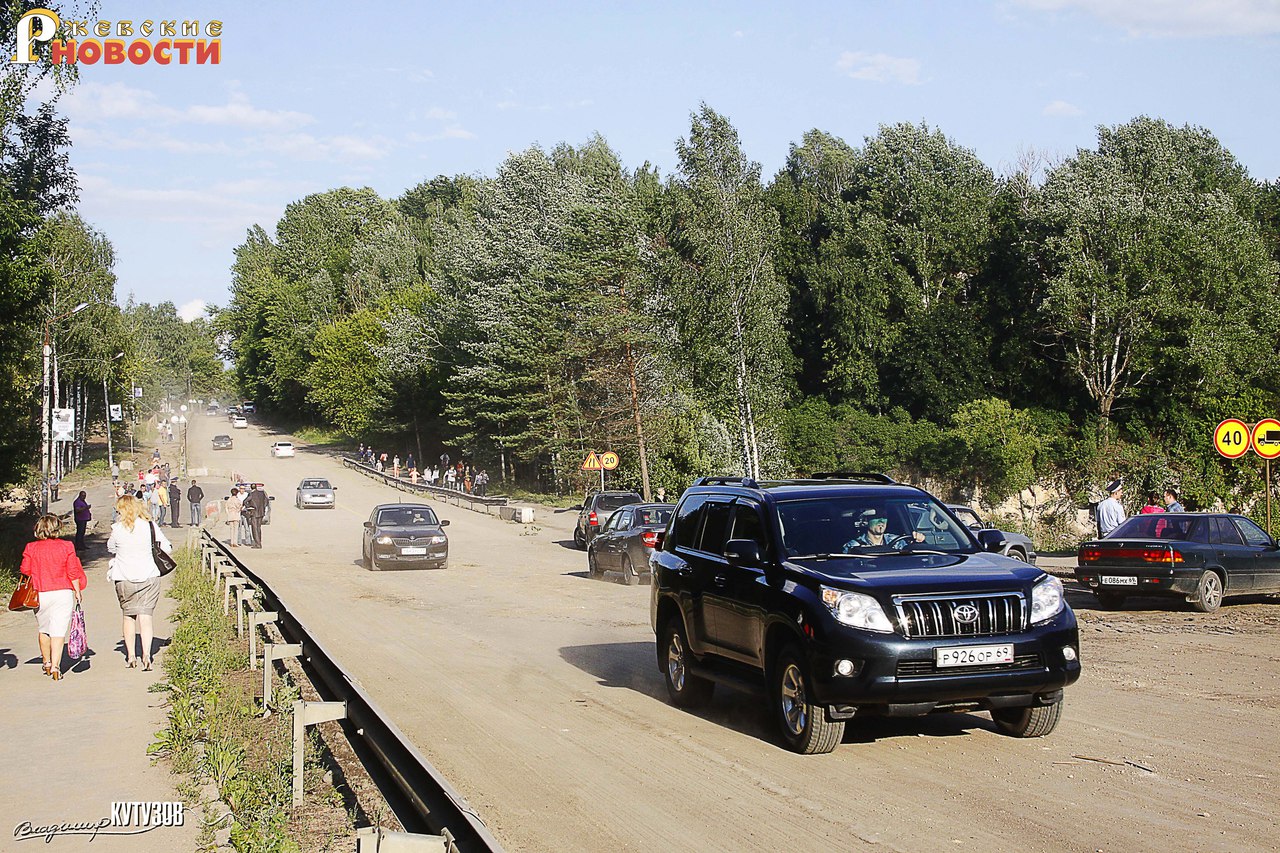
(1269,496)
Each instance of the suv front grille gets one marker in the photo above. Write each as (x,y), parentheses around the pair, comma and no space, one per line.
(936,616)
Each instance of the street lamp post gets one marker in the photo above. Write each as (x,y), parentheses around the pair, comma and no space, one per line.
(45,448)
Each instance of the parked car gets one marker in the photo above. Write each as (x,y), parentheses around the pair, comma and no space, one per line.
(627,540)
(239,422)
(595,511)
(1019,547)
(232,412)
(405,536)
(847,595)
(222,442)
(1199,557)
(247,407)
(281,449)
(316,492)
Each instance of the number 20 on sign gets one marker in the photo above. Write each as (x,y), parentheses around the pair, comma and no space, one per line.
(1232,438)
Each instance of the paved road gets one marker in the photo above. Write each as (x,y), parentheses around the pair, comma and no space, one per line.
(535,691)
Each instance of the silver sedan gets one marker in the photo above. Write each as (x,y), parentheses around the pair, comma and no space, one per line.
(316,492)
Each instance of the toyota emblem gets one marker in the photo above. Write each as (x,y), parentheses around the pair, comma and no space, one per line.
(965,614)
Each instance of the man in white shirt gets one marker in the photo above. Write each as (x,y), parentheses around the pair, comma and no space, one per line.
(1111,511)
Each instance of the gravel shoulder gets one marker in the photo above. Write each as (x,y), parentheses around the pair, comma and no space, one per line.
(535,691)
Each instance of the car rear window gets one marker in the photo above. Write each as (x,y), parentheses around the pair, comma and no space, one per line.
(655,516)
(612,502)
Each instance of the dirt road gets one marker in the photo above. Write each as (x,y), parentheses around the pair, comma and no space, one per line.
(535,692)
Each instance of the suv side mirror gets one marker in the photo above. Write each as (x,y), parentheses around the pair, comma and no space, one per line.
(992,540)
(743,552)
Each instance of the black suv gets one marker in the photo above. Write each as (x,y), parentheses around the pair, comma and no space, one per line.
(596,510)
(852,594)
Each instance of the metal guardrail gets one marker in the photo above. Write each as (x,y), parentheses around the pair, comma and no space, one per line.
(419,796)
(454,496)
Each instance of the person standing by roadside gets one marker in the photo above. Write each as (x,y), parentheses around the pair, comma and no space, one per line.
(482,482)
(175,503)
(134,572)
(255,509)
(83,516)
(1152,505)
(58,576)
(661,495)
(1171,502)
(231,514)
(1111,511)
(54,483)
(409,463)
(195,495)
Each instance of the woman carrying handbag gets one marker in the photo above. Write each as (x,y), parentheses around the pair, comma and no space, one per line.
(134,571)
(58,577)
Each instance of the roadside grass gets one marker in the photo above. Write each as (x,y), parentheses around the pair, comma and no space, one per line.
(215,734)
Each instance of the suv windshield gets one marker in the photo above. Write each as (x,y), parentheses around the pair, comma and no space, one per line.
(868,525)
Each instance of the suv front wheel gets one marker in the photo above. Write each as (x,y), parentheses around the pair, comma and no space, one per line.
(685,689)
(1035,721)
(805,726)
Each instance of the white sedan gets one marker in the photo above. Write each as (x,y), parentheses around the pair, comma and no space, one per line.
(239,422)
(282,448)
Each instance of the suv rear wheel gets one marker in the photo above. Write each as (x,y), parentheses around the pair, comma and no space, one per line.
(805,726)
(1036,721)
(685,689)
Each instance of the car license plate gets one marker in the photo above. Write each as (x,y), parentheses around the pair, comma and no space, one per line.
(412,552)
(973,655)
(1119,580)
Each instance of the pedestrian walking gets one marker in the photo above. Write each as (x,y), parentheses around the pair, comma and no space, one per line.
(54,483)
(175,501)
(255,509)
(56,573)
(195,495)
(231,514)
(83,516)
(133,570)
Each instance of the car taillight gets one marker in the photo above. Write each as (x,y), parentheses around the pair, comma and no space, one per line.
(649,538)
(1148,554)
(592,520)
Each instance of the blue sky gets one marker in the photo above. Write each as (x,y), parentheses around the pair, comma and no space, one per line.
(176,163)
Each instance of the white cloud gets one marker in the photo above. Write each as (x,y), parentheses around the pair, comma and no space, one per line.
(304,146)
(1176,17)
(238,112)
(439,114)
(880,67)
(89,102)
(192,310)
(1061,108)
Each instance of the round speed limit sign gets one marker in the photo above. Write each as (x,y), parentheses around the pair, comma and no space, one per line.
(1232,438)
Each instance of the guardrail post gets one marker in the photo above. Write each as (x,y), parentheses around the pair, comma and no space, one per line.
(225,570)
(272,652)
(226,592)
(244,596)
(308,714)
(256,618)
(375,839)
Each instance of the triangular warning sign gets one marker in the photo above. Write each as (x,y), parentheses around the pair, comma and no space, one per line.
(592,462)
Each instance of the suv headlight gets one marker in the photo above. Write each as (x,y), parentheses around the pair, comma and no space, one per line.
(1047,600)
(856,610)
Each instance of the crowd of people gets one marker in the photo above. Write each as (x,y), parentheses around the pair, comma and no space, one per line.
(457,476)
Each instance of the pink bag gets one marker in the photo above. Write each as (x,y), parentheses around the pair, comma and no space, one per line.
(77,638)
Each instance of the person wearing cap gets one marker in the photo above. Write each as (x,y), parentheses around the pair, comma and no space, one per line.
(1111,511)
(877,536)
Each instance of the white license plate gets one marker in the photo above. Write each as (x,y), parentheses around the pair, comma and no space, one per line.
(973,655)
(412,552)
(1119,580)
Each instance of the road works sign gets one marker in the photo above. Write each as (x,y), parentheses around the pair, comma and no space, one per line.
(592,462)
(1232,438)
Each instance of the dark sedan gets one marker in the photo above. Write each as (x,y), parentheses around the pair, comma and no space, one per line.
(405,536)
(222,442)
(1017,546)
(1199,557)
(627,540)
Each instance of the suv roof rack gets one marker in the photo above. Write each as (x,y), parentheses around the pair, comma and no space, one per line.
(745,482)
(865,476)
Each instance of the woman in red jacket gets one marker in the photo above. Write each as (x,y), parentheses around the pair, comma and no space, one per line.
(57,575)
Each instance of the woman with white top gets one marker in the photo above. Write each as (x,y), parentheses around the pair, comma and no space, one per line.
(134,572)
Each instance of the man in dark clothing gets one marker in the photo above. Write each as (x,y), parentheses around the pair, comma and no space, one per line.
(83,517)
(195,497)
(254,508)
(175,499)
